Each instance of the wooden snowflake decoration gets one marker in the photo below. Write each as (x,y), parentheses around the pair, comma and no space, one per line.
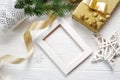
(108,49)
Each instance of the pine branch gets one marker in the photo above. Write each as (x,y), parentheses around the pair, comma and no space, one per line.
(44,7)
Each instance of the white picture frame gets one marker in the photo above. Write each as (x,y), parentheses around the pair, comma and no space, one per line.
(68,29)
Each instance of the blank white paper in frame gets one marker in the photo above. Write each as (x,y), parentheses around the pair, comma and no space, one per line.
(63,46)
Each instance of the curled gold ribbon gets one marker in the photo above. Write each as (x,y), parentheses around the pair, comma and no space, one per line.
(28,41)
(95,5)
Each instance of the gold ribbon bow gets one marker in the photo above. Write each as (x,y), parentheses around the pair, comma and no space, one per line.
(95,5)
(28,41)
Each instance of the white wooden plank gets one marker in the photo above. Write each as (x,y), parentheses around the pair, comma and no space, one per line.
(80,75)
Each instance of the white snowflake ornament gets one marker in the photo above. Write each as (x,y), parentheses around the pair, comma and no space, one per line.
(108,49)
(9,16)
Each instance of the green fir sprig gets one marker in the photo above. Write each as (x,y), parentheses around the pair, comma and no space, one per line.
(44,7)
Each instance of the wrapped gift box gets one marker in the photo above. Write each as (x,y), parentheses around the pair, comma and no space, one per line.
(94,13)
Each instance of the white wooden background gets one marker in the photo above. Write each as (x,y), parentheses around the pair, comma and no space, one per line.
(40,67)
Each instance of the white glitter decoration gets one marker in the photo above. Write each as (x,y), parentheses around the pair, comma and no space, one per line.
(109,49)
(10,17)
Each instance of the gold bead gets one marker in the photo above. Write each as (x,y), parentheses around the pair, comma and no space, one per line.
(82,16)
(101,19)
(95,14)
(107,16)
(95,25)
(86,17)
(94,21)
(90,24)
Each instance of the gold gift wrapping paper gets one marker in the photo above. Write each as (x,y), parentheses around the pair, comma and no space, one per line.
(94,19)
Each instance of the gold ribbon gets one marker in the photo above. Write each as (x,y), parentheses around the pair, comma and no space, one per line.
(95,5)
(28,41)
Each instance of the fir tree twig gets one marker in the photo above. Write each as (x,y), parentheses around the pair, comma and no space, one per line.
(44,7)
